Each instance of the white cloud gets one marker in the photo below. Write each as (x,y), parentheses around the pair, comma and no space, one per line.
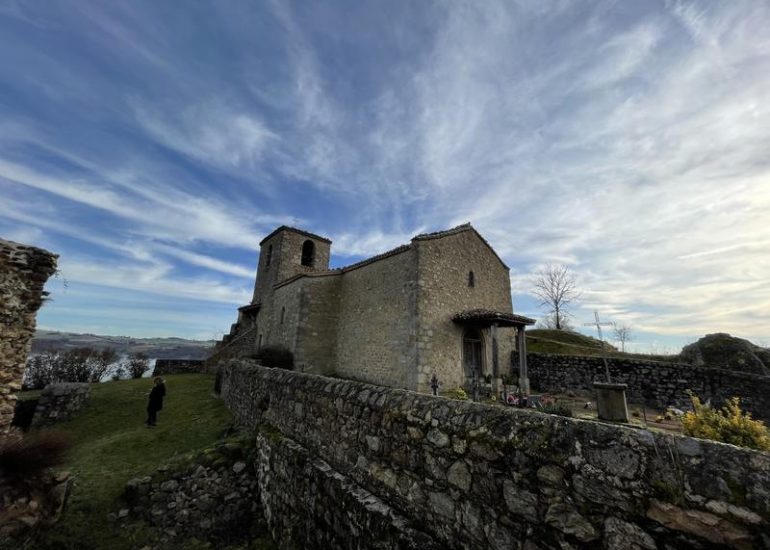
(154,278)
(211,132)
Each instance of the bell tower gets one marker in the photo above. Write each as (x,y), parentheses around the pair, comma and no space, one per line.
(287,252)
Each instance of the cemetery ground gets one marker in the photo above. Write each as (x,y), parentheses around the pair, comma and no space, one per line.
(111,444)
(639,415)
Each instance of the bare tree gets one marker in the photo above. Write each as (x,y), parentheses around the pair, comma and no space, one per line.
(137,365)
(622,334)
(73,365)
(556,288)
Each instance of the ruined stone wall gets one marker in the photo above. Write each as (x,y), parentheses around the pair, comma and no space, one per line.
(177,366)
(376,328)
(59,402)
(444,265)
(23,273)
(211,496)
(467,475)
(655,383)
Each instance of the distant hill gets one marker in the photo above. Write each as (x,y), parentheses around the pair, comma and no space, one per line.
(720,350)
(157,348)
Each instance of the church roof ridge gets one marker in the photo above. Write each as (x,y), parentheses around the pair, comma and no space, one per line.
(443,233)
(295,230)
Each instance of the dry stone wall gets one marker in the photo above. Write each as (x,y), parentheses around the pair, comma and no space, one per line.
(177,366)
(655,383)
(23,273)
(59,402)
(466,475)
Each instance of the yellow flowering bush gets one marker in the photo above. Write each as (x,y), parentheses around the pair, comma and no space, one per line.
(457,393)
(728,425)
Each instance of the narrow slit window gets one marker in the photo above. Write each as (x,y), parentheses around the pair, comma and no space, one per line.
(283,314)
(471,279)
(269,255)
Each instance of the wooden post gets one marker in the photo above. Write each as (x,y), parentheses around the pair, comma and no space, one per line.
(495,369)
(522,345)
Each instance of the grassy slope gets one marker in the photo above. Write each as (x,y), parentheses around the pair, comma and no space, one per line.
(112,445)
(562,342)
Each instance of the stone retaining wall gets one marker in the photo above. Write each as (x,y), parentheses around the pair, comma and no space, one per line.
(655,383)
(23,273)
(59,402)
(466,475)
(164,367)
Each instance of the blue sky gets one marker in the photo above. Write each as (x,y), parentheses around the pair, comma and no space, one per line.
(153,144)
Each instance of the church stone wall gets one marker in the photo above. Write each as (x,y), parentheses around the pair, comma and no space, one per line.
(23,273)
(469,475)
(275,333)
(376,329)
(317,339)
(444,265)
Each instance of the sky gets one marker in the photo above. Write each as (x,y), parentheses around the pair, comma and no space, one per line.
(152,145)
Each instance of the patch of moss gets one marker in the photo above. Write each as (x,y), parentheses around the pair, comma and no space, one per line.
(273,434)
(667,492)
(737,490)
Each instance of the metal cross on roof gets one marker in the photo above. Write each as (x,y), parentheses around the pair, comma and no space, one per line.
(598,324)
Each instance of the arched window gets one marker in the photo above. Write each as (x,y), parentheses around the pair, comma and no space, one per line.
(269,255)
(308,253)
(471,279)
(283,313)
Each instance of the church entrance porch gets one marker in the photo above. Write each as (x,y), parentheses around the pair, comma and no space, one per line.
(480,323)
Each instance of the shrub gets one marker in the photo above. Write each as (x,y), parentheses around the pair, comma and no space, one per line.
(137,364)
(457,393)
(74,365)
(728,425)
(31,455)
(275,356)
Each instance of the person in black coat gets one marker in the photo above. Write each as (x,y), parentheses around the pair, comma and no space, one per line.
(155,403)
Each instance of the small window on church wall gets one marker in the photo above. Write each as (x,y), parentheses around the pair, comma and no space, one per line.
(259,342)
(308,253)
(471,279)
(269,255)
(283,314)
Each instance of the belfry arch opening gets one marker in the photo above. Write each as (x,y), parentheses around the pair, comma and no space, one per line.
(308,253)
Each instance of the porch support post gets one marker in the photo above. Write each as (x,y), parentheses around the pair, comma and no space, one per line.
(497,382)
(495,371)
(521,344)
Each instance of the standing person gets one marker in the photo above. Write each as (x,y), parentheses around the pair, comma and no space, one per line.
(155,403)
(434,384)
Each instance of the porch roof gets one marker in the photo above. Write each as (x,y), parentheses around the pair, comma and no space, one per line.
(250,308)
(488,317)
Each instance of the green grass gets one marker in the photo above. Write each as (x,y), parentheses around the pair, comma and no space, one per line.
(112,445)
(564,342)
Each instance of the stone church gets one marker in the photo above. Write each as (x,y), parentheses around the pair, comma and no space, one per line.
(438,305)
